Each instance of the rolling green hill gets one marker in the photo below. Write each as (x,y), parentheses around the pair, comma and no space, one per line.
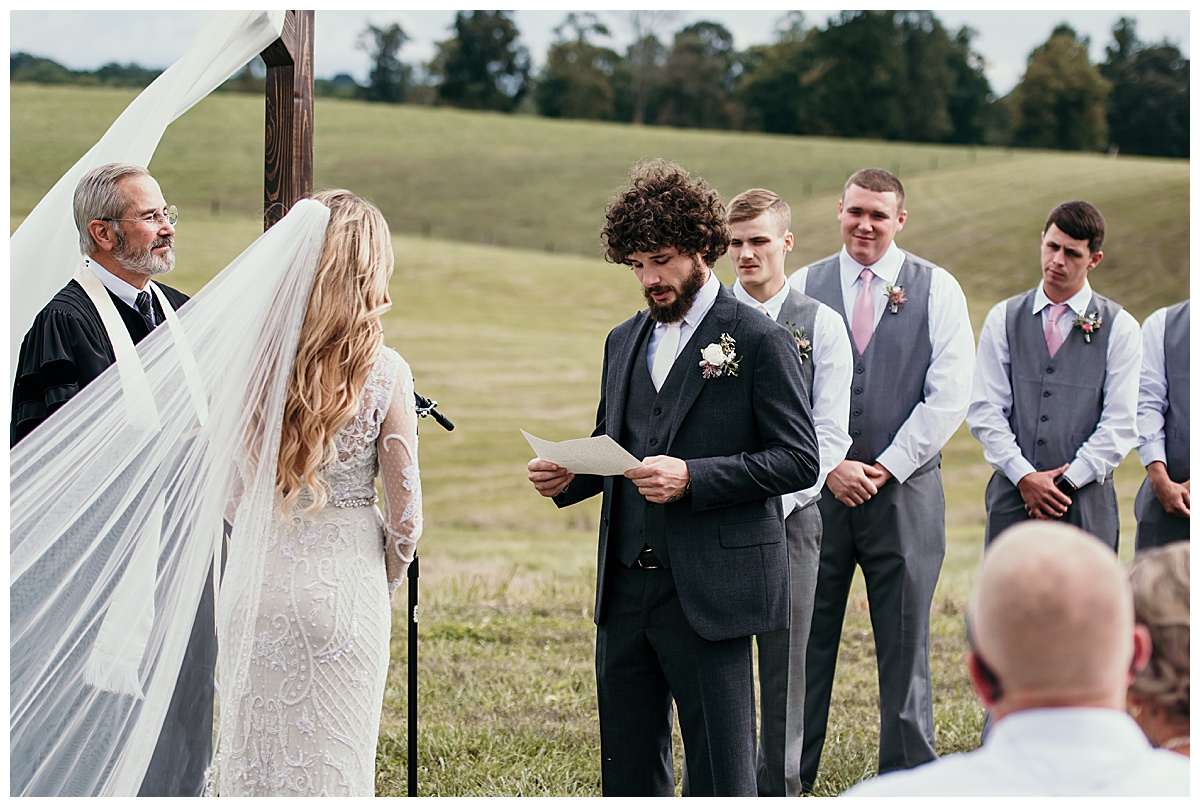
(501,307)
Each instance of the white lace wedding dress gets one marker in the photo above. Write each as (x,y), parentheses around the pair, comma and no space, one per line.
(306,716)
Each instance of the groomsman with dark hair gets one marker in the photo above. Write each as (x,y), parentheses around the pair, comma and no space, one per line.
(1164,502)
(760,238)
(883,507)
(1054,400)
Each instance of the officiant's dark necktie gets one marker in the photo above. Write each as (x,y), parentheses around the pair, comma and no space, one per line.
(146,309)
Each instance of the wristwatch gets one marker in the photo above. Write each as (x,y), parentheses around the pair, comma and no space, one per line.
(1065,485)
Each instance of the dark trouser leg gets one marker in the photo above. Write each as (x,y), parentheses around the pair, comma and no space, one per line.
(634,701)
(781,663)
(1155,526)
(901,554)
(829,609)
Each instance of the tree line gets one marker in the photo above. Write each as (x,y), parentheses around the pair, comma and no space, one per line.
(890,75)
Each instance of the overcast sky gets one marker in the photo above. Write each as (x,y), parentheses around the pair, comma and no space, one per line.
(85,40)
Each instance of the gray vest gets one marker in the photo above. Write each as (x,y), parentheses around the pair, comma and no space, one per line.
(800,311)
(889,376)
(1177,353)
(646,428)
(1056,402)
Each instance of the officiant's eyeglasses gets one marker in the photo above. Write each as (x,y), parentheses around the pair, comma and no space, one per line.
(168,215)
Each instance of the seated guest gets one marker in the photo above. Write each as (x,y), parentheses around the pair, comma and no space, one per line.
(1159,697)
(1054,647)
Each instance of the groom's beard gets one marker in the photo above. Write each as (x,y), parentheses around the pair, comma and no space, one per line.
(685,295)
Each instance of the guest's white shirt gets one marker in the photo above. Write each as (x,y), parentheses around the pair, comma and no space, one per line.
(933,421)
(691,320)
(832,367)
(1152,391)
(127,293)
(992,397)
(1047,752)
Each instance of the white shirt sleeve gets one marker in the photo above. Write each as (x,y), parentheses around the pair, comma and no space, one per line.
(992,399)
(1116,432)
(833,363)
(1152,391)
(947,388)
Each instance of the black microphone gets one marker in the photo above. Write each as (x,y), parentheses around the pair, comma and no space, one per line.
(426,407)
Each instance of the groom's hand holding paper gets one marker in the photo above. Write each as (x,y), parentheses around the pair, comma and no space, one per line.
(557,463)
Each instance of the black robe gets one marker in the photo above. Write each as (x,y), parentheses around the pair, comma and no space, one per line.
(66,349)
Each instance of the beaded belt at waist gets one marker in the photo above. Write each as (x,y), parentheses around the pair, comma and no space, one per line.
(365,501)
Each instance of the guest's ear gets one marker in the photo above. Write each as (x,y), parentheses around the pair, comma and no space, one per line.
(1142,648)
(984,680)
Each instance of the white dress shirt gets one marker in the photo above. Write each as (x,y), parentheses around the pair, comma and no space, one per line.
(127,293)
(833,363)
(992,398)
(933,421)
(691,320)
(1152,391)
(1047,752)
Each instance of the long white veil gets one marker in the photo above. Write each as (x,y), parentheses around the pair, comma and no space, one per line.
(114,523)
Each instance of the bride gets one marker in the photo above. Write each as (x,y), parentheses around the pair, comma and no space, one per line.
(302,713)
(271,403)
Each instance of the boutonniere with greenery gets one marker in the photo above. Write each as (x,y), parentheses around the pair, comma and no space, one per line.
(719,358)
(1089,324)
(896,298)
(803,343)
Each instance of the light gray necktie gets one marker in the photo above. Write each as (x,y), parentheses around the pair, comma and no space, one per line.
(664,357)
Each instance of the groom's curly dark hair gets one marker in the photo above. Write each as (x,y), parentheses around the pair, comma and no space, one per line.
(664,206)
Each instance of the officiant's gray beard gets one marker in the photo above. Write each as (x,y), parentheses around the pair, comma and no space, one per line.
(146,264)
(685,296)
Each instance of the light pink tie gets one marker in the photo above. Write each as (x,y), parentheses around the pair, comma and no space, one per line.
(1054,338)
(864,312)
(762,309)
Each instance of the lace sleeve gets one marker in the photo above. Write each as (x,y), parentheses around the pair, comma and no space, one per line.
(401,479)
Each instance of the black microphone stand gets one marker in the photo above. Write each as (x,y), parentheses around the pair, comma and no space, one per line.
(425,408)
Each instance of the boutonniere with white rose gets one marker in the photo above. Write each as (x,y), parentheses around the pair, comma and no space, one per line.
(1089,325)
(803,343)
(719,358)
(896,298)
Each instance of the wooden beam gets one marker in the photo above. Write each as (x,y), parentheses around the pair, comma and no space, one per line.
(288,159)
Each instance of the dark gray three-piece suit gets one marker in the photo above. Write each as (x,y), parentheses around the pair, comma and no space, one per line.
(683,632)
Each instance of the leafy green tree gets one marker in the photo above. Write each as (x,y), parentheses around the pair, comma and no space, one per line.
(640,74)
(483,66)
(40,70)
(700,71)
(1060,102)
(858,76)
(774,86)
(390,79)
(577,81)
(1148,111)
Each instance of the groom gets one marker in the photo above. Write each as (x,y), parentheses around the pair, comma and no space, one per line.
(127,233)
(692,559)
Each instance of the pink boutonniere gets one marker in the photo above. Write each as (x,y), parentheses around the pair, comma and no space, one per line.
(1089,324)
(896,298)
(803,343)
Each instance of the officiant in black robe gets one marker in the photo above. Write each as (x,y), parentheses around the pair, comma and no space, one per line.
(127,233)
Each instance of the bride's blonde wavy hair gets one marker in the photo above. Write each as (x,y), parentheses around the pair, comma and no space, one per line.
(341,336)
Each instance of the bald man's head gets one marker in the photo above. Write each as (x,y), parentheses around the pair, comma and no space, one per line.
(1053,618)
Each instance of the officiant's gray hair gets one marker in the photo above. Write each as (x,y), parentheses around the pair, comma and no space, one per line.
(98,197)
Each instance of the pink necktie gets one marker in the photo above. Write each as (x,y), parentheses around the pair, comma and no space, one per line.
(864,312)
(762,309)
(1054,338)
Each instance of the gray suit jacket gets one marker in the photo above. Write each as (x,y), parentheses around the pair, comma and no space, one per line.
(747,439)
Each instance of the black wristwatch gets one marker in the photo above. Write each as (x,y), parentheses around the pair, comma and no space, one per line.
(1065,485)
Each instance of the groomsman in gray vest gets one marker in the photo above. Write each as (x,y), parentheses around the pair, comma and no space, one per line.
(692,557)
(1054,399)
(1164,502)
(883,507)
(760,238)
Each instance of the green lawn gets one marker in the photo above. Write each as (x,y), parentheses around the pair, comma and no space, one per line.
(501,307)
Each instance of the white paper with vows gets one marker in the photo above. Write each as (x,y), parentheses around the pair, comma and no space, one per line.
(601,455)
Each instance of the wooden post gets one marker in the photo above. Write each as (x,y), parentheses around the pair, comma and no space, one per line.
(288,163)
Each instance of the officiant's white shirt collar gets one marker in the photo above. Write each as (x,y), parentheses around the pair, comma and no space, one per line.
(127,293)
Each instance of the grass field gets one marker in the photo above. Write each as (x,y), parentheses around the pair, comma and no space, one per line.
(501,307)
